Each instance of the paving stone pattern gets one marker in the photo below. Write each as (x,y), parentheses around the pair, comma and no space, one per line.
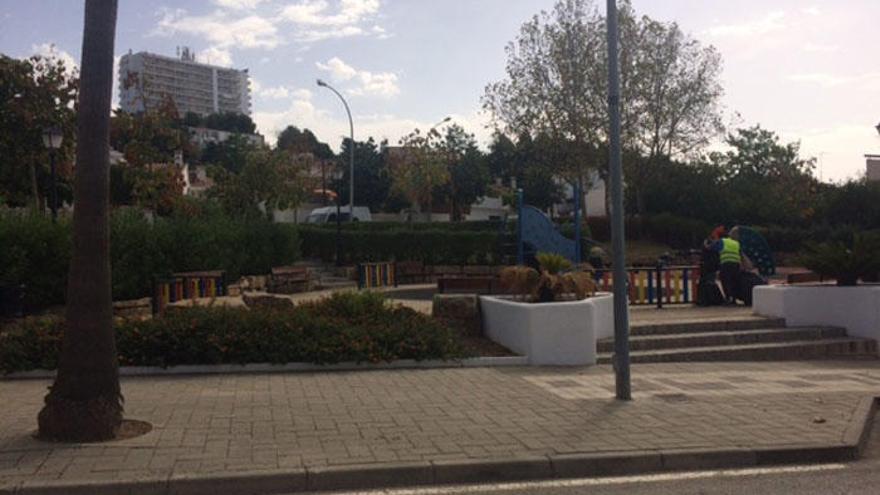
(244,423)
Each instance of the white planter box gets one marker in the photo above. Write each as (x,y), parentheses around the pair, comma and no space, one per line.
(855,308)
(557,333)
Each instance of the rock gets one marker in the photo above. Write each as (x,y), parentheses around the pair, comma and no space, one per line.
(818,419)
(266,301)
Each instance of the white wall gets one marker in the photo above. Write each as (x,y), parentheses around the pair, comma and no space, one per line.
(855,308)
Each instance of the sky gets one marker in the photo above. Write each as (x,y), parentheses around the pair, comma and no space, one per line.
(807,69)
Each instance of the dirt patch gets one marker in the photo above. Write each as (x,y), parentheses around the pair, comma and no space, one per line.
(480,346)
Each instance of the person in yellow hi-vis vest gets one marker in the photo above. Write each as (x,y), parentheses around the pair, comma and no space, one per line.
(731,258)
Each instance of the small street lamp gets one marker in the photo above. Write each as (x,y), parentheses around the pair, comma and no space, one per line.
(351,161)
(52,138)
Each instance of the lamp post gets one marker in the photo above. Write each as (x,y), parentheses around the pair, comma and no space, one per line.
(621,312)
(351,160)
(52,138)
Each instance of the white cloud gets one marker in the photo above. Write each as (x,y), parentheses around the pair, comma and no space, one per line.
(339,70)
(820,48)
(221,28)
(869,81)
(49,50)
(771,22)
(238,4)
(277,93)
(812,11)
(316,20)
(366,83)
(216,56)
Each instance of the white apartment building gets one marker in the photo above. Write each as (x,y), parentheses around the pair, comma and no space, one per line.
(145,79)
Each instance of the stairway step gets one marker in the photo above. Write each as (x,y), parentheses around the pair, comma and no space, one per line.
(779,351)
(722,324)
(722,338)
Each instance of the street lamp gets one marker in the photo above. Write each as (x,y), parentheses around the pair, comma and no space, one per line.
(351,162)
(878,128)
(52,138)
(438,124)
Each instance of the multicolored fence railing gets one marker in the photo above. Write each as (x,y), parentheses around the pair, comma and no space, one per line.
(189,285)
(377,275)
(659,285)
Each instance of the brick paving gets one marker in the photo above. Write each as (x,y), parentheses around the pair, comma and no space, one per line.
(270,422)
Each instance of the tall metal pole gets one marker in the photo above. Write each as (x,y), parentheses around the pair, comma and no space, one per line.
(578,257)
(351,160)
(621,311)
(54,196)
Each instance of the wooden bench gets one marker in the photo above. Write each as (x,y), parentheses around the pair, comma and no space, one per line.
(411,272)
(290,280)
(466,285)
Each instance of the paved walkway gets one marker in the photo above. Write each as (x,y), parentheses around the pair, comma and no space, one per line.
(220,425)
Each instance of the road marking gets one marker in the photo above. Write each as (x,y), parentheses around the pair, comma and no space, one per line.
(615,480)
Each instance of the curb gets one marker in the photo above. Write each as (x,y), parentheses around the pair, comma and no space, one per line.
(215,369)
(378,476)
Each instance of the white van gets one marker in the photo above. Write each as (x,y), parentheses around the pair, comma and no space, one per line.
(327,214)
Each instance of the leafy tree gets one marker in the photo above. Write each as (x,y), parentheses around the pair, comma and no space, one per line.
(268,182)
(417,168)
(468,171)
(296,141)
(556,86)
(768,181)
(372,182)
(38,93)
(230,154)
(230,122)
(85,402)
(150,142)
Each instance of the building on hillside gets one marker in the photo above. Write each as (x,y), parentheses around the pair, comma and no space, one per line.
(146,79)
(872,167)
(201,136)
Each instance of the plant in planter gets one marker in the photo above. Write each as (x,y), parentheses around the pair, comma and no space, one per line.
(845,263)
(556,280)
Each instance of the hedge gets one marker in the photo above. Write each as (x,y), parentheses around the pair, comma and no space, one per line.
(470,226)
(359,327)
(439,247)
(36,252)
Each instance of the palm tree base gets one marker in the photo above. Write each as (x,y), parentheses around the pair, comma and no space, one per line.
(91,420)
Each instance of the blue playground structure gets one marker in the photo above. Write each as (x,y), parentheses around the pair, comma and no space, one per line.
(537,234)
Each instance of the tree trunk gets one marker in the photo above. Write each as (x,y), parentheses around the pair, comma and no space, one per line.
(35,191)
(85,402)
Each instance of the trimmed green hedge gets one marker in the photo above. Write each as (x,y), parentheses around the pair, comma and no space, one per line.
(439,247)
(36,252)
(359,327)
(479,225)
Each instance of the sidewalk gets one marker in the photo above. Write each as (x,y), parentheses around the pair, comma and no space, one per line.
(325,430)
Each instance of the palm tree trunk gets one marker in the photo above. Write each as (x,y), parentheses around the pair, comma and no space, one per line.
(85,402)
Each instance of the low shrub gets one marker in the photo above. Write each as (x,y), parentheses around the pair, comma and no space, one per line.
(36,252)
(359,327)
(845,262)
(437,247)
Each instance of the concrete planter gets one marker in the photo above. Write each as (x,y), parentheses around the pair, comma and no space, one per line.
(855,308)
(557,333)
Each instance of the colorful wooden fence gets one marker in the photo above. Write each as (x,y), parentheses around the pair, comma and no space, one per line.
(376,275)
(189,285)
(664,285)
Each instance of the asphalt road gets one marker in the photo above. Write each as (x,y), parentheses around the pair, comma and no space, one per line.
(861,477)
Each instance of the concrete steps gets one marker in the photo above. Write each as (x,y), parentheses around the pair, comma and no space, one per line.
(746,338)
(708,325)
(722,338)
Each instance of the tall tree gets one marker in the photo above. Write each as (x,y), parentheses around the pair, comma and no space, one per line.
(467,171)
(417,168)
(556,86)
(85,402)
(372,182)
(37,92)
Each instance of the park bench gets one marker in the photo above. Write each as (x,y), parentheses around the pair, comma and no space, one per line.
(466,285)
(290,280)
